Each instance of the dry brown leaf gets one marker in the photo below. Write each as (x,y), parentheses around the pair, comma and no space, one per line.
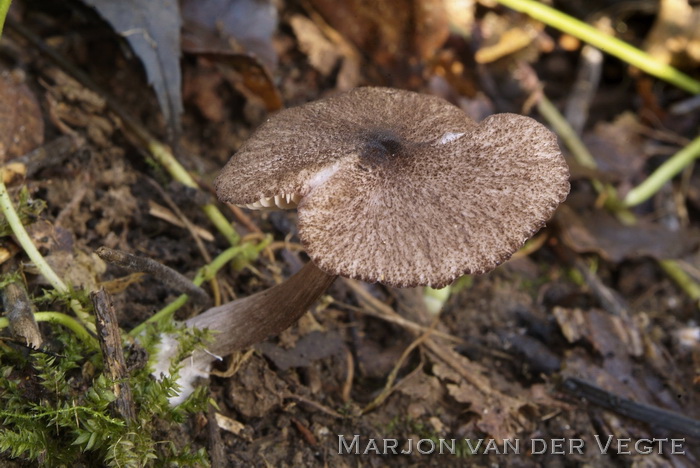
(603,234)
(231,26)
(392,33)
(321,53)
(608,334)
(311,347)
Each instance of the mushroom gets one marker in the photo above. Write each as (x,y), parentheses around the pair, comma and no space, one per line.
(391,186)
(399,187)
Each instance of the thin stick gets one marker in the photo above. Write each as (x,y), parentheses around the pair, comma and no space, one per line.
(656,417)
(604,41)
(134,264)
(389,386)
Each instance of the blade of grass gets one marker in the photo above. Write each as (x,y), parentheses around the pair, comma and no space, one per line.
(204,274)
(4,7)
(584,157)
(663,174)
(62,319)
(35,256)
(604,42)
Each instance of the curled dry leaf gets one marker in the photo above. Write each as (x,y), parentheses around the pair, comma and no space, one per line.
(231,27)
(152,29)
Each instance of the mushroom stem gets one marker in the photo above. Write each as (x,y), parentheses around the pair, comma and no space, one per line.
(247,321)
(243,323)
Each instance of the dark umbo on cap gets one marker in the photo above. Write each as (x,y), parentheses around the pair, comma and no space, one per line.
(399,187)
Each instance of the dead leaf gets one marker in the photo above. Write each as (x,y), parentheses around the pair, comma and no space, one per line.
(21,122)
(321,53)
(502,38)
(77,269)
(232,426)
(119,285)
(618,147)
(609,335)
(310,348)
(393,34)
(603,234)
(152,29)
(231,27)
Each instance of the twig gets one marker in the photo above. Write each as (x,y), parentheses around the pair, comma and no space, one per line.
(315,404)
(167,275)
(213,282)
(113,354)
(389,386)
(52,153)
(386,313)
(607,297)
(656,417)
(604,41)
(183,219)
(216,447)
(585,87)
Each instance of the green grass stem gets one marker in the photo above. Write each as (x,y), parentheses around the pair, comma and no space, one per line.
(61,319)
(663,174)
(205,273)
(4,7)
(605,42)
(34,255)
(25,241)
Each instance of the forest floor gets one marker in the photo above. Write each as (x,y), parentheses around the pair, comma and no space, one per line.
(582,336)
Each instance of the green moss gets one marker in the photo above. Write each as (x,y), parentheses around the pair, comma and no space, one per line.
(57,409)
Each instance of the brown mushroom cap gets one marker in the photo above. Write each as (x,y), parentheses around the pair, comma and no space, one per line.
(399,187)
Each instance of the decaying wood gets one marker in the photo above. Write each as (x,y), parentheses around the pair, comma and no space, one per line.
(112,353)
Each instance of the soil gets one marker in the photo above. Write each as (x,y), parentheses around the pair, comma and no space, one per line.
(512,354)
